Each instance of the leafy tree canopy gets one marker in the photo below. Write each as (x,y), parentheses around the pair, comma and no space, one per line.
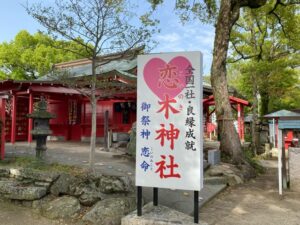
(29,56)
(265,49)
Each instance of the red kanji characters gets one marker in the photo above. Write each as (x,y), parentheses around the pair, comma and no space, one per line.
(166,105)
(162,167)
(168,77)
(171,135)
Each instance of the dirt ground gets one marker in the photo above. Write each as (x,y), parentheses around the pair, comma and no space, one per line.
(256,202)
(12,214)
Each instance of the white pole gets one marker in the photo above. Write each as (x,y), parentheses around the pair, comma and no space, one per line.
(279,147)
(274,133)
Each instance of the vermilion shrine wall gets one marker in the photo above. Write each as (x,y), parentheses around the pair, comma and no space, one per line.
(73,117)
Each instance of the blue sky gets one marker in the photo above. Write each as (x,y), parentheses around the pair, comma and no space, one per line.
(173,37)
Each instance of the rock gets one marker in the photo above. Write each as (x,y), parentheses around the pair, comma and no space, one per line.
(62,207)
(89,196)
(159,215)
(15,190)
(14,172)
(234,180)
(131,146)
(248,172)
(83,188)
(230,172)
(39,204)
(216,171)
(39,175)
(215,180)
(64,185)
(4,172)
(115,184)
(110,211)
(27,204)
(83,185)
(34,175)
(206,165)
(42,184)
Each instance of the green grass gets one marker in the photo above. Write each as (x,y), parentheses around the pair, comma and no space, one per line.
(33,163)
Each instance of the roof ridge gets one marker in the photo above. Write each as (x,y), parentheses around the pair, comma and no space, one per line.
(105,57)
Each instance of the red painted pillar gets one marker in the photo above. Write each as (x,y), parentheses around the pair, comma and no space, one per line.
(239,120)
(30,119)
(2,101)
(84,119)
(207,118)
(13,119)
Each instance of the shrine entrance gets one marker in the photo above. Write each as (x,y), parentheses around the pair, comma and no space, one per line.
(210,124)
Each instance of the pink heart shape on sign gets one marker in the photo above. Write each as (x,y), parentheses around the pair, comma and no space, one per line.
(166,78)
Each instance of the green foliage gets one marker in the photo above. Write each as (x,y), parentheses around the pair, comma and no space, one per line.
(206,78)
(206,11)
(30,56)
(266,54)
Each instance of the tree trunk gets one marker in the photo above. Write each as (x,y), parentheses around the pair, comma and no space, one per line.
(255,141)
(93,100)
(264,109)
(230,142)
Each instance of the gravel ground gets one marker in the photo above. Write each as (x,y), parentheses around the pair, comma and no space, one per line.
(254,203)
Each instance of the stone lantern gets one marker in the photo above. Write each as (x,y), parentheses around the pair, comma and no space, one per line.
(41,128)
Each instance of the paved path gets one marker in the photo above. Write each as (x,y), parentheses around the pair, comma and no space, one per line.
(77,153)
(254,203)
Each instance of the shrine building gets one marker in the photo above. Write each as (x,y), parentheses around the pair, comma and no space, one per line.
(73,109)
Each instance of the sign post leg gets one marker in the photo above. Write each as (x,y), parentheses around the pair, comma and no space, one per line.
(196,206)
(155,196)
(279,147)
(139,201)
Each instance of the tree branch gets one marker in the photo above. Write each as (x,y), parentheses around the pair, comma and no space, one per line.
(242,56)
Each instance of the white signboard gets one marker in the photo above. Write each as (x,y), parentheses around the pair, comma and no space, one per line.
(169,117)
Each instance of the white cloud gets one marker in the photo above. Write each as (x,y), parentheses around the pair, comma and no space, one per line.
(192,36)
(172,37)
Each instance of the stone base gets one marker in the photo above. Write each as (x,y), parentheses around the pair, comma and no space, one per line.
(88,139)
(294,159)
(56,138)
(274,152)
(158,215)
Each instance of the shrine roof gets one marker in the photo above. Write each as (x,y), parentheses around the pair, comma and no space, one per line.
(233,100)
(121,66)
(283,114)
(124,68)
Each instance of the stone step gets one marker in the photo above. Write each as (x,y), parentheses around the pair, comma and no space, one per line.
(158,215)
(215,180)
(16,190)
(183,200)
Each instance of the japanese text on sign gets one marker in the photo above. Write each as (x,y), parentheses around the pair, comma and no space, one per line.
(169,117)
